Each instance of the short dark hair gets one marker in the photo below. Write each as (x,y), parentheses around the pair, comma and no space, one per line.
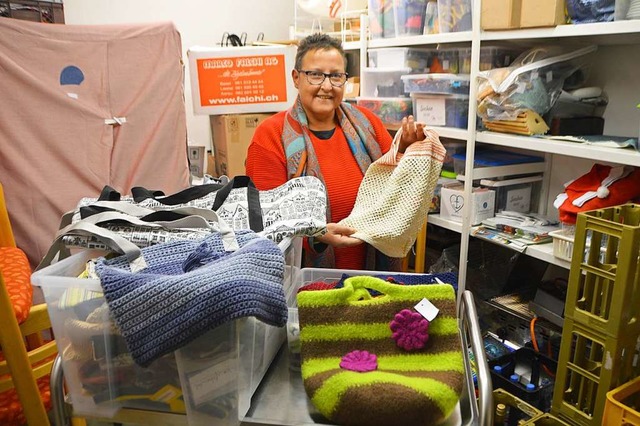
(318,41)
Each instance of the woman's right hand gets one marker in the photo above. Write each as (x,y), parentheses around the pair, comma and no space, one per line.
(339,236)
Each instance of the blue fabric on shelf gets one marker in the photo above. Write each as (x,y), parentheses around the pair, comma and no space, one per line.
(191,287)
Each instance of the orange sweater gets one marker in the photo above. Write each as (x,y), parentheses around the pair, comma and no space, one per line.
(267,166)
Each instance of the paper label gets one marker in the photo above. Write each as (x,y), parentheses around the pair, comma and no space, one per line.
(242,80)
(213,381)
(427,310)
(549,76)
(519,200)
(431,111)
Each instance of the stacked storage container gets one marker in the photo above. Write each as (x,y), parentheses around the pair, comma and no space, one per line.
(601,329)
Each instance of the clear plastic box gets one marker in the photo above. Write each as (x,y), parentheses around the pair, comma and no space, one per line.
(101,377)
(493,158)
(518,195)
(381,19)
(441,110)
(384,82)
(445,61)
(448,84)
(401,57)
(626,9)
(490,57)
(410,16)
(454,15)
(390,110)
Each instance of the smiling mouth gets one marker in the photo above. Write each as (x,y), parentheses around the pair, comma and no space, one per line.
(325,97)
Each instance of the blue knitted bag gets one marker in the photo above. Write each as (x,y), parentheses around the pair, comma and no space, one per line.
(191,287)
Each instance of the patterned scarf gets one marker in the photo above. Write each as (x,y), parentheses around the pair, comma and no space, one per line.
(298,148)
(359,132)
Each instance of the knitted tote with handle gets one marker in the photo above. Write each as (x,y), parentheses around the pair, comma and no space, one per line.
(376,361)
(191,287)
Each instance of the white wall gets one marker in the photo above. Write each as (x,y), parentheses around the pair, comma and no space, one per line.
(200,22)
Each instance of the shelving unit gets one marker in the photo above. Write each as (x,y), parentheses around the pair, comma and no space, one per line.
(559,155)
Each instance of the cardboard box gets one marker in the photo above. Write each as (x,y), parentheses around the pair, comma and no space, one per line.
(232,135)
(501,14)
(238,80)
(452,201)
(196,160)
(352,88)
(542,13)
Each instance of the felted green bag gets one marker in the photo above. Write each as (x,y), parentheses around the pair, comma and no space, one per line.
(375,360)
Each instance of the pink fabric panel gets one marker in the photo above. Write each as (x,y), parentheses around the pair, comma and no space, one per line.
(55,147)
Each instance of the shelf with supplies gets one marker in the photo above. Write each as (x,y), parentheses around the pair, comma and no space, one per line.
(616,155)
(616,32)
(459,37)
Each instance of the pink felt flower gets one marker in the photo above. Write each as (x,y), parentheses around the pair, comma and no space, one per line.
(360,361)
(410,330)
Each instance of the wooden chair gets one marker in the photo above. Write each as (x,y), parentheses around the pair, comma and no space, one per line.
(25,361)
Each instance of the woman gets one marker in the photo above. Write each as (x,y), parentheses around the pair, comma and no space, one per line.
(324,137)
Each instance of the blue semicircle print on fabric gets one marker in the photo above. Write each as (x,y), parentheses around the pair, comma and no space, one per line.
(71,75)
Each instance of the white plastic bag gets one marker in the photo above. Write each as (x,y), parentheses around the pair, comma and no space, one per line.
(533,81)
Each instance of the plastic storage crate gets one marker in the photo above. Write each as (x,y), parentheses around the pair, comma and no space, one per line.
(410,16)
(562,244)
(517,410)
(101,377)
(604,288)
(416,59)
(529,368)
(454,15)
(519,194)
(441,110)
(447,84)
(381,19)
(390,110)
(623,404)
(589,366)
(384,82)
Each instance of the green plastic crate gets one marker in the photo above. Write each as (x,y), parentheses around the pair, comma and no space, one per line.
(590,364)
(604,286)
(517,409)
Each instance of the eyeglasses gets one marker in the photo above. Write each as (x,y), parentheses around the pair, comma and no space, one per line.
(337,79)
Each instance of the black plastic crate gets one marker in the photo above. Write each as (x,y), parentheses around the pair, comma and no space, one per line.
(534,371)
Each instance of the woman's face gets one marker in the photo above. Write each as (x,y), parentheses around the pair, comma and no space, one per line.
(322,100)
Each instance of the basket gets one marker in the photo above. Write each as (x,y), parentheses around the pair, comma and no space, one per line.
(562,244)
(616,412)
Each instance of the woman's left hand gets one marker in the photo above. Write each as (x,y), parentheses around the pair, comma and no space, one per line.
(411,132)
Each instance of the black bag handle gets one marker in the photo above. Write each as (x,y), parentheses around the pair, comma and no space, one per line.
(109,194)
(186,195)
(253,200)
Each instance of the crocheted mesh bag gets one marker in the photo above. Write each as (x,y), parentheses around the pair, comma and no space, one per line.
(376,361)
(394,196)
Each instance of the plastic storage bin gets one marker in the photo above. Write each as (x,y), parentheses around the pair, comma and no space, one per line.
(441,110)
(448,84)
(490,57)
(384,82)
(410,16)
(517,371)
(519,195)
(101,377)
(381,19)
(623,404)
(562,244)
(493,158)
(445,61)
(390,110)
(454,15)
(401,57)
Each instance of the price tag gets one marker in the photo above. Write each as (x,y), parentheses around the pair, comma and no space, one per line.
(427,310)
(431,111)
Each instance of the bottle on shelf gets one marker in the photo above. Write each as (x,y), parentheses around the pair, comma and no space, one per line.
(500,416)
